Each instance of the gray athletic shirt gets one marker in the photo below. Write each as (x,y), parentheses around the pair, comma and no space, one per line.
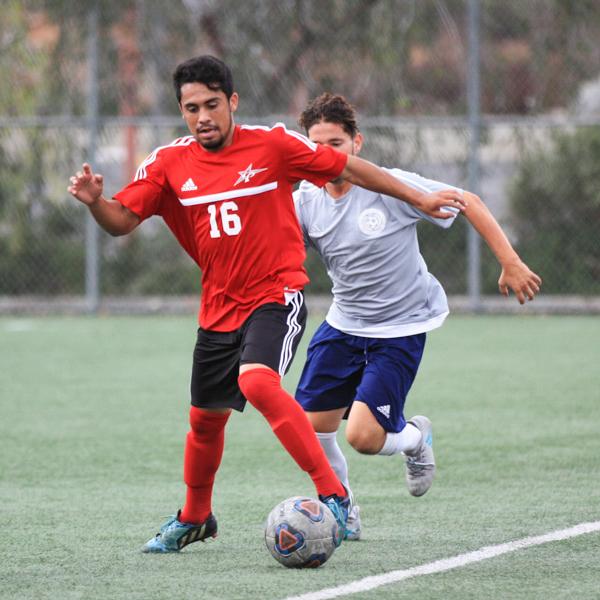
(368,242)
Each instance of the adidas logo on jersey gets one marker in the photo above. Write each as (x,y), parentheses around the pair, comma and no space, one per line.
(189,186)
(384,410)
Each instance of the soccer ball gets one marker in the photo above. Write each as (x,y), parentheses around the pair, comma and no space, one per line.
(301,533)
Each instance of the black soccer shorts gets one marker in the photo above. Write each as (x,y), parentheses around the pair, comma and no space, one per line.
(270,336)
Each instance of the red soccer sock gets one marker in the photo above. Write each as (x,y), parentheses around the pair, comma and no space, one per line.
(262,388)
(202,457)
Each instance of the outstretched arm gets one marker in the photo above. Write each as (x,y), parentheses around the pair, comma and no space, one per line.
(111,215)
(515,275)
(367,175)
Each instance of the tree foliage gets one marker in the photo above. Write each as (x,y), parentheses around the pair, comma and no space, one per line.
(556,201)
(389,57)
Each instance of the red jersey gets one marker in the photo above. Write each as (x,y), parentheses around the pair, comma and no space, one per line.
(232,211)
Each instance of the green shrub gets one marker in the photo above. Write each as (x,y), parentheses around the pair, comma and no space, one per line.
(556,204)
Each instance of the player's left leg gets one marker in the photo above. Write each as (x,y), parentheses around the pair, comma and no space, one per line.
(368,436)
(333,368)
(269,342)
(376,423)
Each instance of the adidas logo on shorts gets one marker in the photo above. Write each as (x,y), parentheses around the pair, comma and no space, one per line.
(384,410)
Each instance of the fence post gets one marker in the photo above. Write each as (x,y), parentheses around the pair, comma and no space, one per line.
(474,117)
(92,239)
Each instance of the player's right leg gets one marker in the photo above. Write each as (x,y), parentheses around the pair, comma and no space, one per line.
(175,534)
(326,424)
(214,393)
(202,457)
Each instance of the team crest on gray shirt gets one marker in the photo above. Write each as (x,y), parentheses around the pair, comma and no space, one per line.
(371,221)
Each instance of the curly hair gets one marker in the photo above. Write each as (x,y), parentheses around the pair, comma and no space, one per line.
(331,109)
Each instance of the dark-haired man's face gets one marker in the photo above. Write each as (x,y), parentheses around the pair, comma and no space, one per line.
(334,135)
(208,115)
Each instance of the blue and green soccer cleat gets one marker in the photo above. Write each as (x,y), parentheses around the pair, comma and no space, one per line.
(340,508)
(174,534)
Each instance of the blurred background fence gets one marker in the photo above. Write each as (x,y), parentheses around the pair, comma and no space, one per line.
(498,96)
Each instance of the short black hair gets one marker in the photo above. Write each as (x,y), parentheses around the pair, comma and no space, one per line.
(331,109)
(210,71)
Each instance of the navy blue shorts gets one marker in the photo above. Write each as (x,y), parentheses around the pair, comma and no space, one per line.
(341,368)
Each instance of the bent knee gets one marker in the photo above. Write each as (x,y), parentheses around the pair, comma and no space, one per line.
(258,383)
(362,441)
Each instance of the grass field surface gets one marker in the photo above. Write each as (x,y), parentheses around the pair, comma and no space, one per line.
(93,415)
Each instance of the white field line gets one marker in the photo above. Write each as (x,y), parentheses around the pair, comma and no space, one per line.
(446,564)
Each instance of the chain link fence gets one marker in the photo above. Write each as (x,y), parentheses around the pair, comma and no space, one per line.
(91,80)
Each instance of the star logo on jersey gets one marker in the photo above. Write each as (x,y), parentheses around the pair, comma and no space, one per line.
(247,174)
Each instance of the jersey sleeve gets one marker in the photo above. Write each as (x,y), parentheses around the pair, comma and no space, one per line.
(145,193)
(427,186)
(306,160)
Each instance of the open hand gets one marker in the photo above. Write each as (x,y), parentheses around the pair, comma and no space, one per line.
(86,186)
(520,279)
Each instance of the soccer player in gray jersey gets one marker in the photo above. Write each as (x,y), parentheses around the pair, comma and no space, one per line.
(363,359)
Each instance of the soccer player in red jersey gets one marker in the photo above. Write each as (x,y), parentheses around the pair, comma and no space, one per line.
(225,191)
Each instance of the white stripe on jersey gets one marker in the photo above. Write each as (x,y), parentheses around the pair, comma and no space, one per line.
(141,172)
(294,134)
(251,191)
(294,328)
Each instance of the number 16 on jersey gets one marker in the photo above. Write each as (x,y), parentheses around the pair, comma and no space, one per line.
(230,222)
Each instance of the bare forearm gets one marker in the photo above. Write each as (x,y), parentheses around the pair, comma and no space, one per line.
(113,217)
(367,175)
(88,187)
(515,275)
(488,228)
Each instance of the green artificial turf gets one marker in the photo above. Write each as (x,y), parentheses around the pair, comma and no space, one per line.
(93,416)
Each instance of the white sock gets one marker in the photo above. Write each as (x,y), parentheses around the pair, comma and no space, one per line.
(334,454)
(405,441)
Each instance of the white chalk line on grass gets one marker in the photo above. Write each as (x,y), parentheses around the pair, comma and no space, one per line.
(446,564)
